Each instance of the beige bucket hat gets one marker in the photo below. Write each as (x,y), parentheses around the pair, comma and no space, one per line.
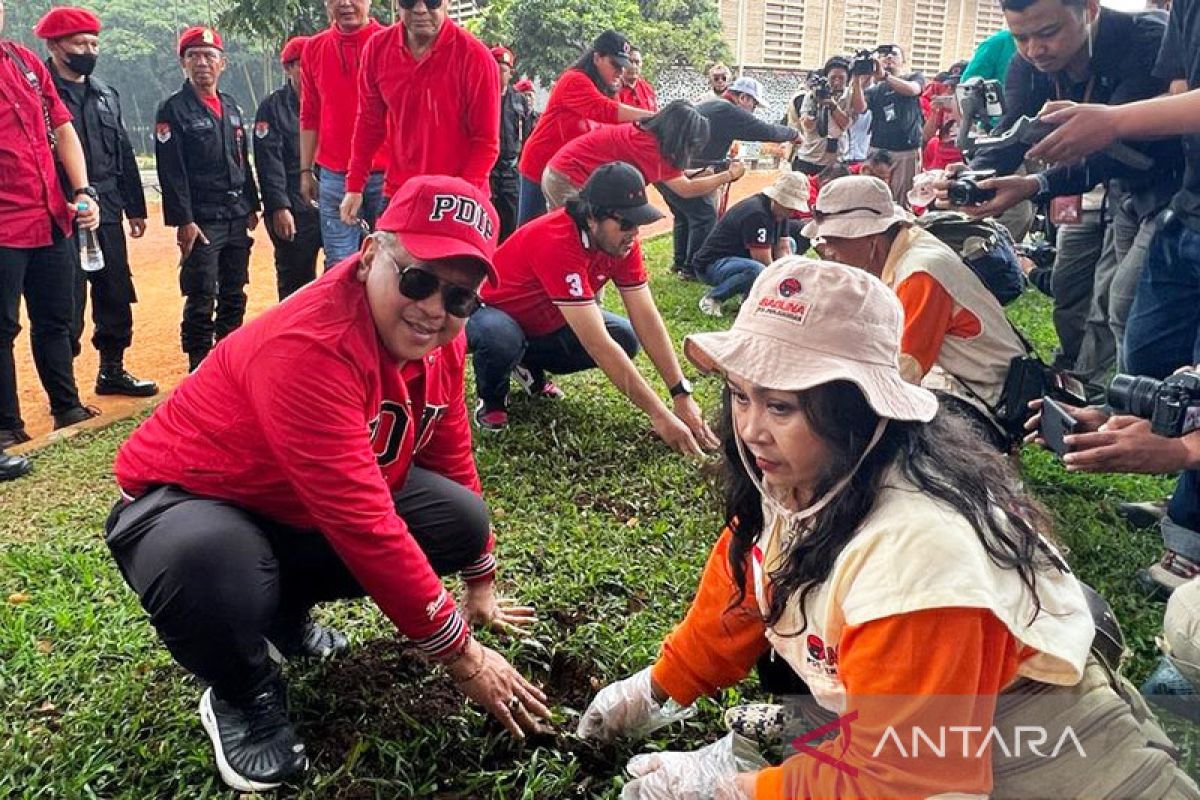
(808,322)
(790,190)
(853,207)
(1181,630)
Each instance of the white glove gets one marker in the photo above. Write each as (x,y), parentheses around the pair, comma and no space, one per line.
(706,774)
(628,708)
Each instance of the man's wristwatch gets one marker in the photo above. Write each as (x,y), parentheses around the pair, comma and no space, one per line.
(89,191)
(683,387)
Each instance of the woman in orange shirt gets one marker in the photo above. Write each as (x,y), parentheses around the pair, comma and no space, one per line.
(893,563)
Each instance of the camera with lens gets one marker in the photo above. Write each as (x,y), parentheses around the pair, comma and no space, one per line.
(964,189)
(1171,405)
(863,63)
(819,86)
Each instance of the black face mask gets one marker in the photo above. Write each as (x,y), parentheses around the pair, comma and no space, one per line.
(83,63)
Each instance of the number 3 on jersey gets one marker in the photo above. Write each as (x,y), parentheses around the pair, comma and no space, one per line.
(575,284)
(762,235)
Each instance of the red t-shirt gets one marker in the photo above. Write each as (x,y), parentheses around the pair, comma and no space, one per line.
(939,154)
(30,197)
(443,110)
(329,98)
(303,417)
(575,107)
(213,103)
(549,263)
(640,95)
(580,158)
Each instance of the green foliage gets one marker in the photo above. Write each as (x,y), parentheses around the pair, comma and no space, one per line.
(599,526)
(549,35)
(274,21)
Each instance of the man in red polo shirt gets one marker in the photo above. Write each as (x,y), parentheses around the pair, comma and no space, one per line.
(544,317)
(635,90)
(433,85)
(323,451)
(37,257)
(329,70)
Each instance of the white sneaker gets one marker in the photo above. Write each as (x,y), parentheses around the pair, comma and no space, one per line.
(711,306)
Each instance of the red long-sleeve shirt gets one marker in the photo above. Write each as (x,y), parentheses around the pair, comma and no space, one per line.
(31,201)
(303,417)
(575,107)
(329,98)
(443,110)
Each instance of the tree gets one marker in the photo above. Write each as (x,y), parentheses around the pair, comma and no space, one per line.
(549,35)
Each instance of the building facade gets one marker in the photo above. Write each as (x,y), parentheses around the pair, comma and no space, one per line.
(802,34)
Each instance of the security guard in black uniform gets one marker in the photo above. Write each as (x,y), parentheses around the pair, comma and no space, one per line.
(72,38)
(209,194)
(516,123)
(293,224)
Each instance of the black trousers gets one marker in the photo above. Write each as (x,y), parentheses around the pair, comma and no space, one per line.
(504,185)
(217,580)
(296,261)
(214,278)
(695,217)
(45,277)
(113,297)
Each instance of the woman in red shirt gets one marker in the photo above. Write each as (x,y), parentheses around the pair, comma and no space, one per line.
(583,98)
(661,147)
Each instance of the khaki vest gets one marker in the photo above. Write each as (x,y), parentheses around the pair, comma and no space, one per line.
(980,362)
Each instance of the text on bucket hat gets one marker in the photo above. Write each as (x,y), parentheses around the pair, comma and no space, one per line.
(750,86)
(806,323)
(437,216)
(293,50)
(619,187)
(66,21)
(790,190)
(199,36)
(853,207)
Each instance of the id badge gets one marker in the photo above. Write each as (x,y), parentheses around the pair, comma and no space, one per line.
(889,113)
(1067,210)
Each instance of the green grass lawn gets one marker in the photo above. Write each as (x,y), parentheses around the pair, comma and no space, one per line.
(600,526)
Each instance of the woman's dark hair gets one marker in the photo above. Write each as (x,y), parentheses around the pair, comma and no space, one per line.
(836,62)
(681,132)
(943,458)
(587,65)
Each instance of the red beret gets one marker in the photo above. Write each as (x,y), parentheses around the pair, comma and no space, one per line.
(66,21)
(200,36)
(293,49)
(523,85)
(503,55)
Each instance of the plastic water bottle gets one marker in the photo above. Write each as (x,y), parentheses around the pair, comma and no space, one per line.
(90,256)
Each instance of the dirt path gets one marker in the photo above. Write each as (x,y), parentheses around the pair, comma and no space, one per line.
(155,353)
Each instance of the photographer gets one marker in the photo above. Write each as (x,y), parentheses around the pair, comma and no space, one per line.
(1105,442)
(1075,51)
(824,117)
(895,105)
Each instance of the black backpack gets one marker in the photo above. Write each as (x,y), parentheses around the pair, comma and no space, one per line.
(985,246)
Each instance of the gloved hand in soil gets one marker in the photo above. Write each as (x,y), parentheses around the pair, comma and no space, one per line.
(486,677)
(710,773)
(629,708)
(484,609)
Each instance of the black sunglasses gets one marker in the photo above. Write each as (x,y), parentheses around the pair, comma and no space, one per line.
(408,5)
(625,224)
(419,284)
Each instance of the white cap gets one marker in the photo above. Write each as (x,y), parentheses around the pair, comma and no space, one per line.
(750,86)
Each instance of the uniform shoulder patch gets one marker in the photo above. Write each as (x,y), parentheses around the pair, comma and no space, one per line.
(262,129)
(162,132)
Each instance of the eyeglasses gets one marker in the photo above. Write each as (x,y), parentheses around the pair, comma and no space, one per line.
(719,77)
(819,215)
(409,5)
(419,284)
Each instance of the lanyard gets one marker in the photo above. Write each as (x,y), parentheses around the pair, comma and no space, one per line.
(1087,93)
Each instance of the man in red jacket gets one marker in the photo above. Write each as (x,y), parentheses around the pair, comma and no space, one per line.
(635,90)
(329,72)
(433,85)
(323,451)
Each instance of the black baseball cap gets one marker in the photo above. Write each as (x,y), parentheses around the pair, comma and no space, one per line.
(611,43)
(619,187)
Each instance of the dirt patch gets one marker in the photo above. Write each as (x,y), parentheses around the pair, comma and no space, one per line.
(155,353)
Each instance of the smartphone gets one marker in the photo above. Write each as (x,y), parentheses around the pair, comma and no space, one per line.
(1056,423)
(1070,386)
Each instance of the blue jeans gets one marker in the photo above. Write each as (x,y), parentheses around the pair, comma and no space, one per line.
(531,203)
(731,276)
(498,345)
(1163,332)
(340,240)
